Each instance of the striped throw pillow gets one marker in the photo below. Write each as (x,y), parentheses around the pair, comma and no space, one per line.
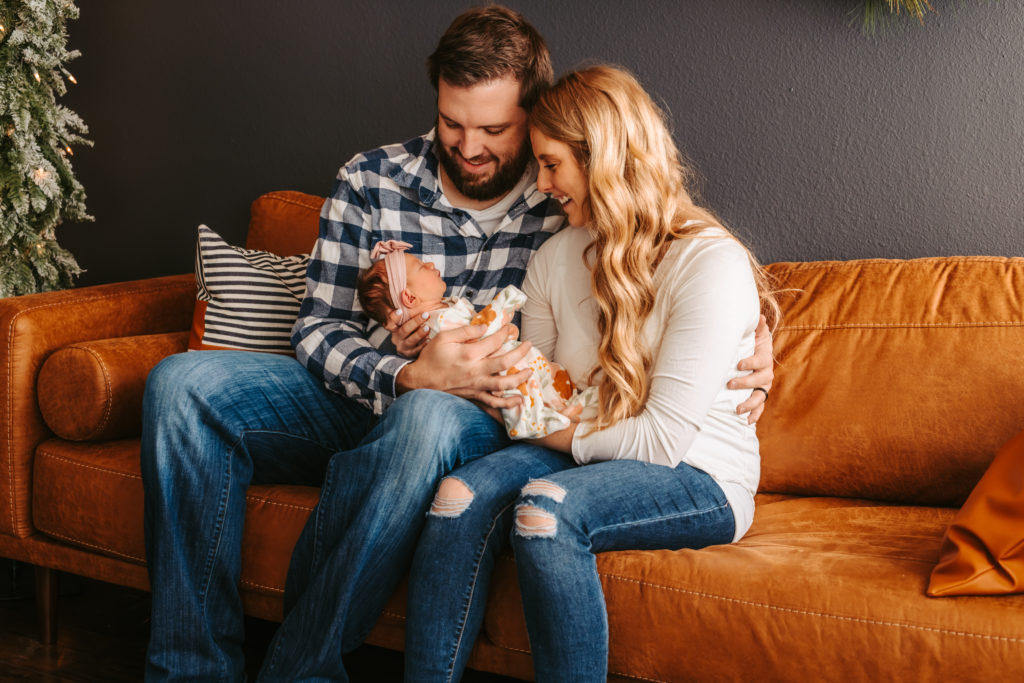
(246,300)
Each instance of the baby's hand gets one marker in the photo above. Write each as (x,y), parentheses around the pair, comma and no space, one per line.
(410,338)
(572,412)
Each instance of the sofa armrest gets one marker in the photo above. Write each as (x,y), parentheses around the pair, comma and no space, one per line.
(36,325)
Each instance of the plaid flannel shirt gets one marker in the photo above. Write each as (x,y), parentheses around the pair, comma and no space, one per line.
(393,193)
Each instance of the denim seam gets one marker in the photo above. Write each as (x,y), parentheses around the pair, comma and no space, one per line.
(218,535)
(325,493)
(218,528)
(689,513)
(472,590)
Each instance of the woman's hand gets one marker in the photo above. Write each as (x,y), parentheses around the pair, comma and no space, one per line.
(762,367)
(409,338)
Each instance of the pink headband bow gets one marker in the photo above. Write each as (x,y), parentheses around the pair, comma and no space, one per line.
(394,264)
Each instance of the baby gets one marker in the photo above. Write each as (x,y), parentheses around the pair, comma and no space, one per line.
(400,281)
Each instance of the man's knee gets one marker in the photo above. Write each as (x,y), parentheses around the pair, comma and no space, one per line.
(431,415)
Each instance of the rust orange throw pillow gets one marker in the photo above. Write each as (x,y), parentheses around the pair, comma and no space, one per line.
(983,551)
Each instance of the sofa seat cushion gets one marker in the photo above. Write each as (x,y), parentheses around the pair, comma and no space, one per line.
(810,573)
(90,495)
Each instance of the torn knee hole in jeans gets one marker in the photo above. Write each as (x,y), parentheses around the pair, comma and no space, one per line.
(543,487)
(534,522)
(452,498)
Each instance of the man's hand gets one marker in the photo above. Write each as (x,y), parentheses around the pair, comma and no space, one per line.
(459,362)
(409,338)
(763,373)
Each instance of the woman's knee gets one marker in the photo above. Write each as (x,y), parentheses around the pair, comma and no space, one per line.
(540,511)
(453,497)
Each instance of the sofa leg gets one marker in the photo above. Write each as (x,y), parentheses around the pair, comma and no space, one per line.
(46,604)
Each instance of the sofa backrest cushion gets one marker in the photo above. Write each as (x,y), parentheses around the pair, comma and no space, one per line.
(897,380)
(285,223)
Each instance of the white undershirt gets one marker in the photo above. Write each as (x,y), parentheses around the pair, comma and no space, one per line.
(490,219)
(705,313)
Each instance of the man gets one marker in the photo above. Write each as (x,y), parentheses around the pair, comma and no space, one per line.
(388,426)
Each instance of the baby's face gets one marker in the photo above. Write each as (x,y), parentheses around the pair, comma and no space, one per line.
(423,280)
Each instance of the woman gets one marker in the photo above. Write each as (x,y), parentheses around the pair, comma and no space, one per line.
(649,299)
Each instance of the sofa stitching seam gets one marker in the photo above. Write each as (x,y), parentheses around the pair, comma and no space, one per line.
(129,475)
(285,199)
(106,382)
(852,326)
(794,610)
(252,584)
(269,501)
(10,424)
(923,262)
(92,545)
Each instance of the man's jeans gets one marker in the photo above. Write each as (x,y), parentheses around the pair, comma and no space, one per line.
(214,422)
(558,516)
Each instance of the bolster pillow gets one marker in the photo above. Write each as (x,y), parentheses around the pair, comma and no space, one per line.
(92,391)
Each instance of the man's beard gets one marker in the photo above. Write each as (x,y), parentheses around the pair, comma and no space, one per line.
(505,176)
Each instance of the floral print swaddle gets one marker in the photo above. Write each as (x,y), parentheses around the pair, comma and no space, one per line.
(548,390)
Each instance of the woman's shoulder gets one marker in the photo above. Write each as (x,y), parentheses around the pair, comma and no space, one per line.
(564,248)
(712,249)
(711,241)
(569,238)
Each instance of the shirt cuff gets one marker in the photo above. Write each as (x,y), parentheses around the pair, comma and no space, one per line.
(578,451)
(389,368)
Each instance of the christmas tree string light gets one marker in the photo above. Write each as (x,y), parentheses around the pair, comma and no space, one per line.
(39,188)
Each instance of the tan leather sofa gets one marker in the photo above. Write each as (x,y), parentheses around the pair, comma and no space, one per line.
(896,383)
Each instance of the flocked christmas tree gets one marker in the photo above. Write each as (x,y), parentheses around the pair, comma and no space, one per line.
(38,190)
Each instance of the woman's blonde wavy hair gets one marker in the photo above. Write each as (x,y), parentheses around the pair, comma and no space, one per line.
(639,203)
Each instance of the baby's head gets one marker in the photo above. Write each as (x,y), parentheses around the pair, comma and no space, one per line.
(423,289)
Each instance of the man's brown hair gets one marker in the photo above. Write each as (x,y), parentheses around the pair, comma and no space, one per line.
(486,43)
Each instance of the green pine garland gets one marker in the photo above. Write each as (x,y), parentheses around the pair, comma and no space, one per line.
(38,189)
(877,11)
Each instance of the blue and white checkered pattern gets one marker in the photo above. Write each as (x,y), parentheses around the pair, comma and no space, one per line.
(392,193)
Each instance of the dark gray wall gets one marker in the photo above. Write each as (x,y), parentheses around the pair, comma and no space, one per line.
(815,141)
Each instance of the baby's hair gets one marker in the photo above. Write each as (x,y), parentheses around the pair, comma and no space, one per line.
(374,295)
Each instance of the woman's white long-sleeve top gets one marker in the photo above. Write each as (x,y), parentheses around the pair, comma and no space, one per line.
(705,313)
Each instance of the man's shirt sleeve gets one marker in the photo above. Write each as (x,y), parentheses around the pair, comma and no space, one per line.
(330,334)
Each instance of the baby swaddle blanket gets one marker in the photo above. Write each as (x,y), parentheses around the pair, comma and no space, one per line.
(548,390)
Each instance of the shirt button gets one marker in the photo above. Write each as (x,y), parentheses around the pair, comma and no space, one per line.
(470,293)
